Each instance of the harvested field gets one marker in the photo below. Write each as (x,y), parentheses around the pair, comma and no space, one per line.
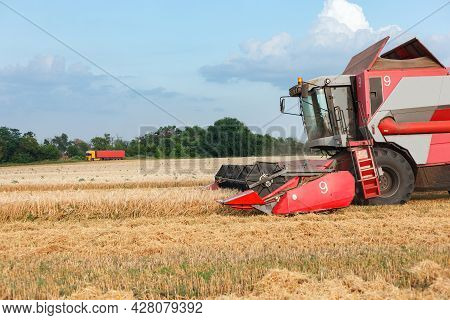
(129,234)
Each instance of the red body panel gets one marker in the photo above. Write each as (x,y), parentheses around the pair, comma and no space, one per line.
(331,191)
(389,80)
(441,115)
(439,149)
(389,126)
(244,200)
(110,154)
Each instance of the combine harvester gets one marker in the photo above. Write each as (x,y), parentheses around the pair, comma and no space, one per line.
(385,122)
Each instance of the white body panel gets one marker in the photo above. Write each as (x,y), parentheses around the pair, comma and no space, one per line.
(418,145)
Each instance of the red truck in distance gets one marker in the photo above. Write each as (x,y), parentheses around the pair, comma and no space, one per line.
(97,155)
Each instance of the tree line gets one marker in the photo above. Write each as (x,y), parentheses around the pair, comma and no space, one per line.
(227,137)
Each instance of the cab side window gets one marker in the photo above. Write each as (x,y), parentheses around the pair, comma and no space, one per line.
(376,94)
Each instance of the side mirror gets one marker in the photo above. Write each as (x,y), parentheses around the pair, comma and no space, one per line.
(282,105)
(292,102)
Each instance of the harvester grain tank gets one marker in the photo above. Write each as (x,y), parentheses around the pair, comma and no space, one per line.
(385,124)
(98,155)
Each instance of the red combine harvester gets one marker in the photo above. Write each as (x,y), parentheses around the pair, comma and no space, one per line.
(385,122)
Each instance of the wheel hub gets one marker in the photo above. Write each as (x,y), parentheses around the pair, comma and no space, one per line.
(385,182)
(389,182)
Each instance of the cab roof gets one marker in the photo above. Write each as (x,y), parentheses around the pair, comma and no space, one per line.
(335,80)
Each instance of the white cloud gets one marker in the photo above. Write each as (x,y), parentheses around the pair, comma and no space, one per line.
(341,22)
(343,12)
(49,72)
(275,47)
(340,31)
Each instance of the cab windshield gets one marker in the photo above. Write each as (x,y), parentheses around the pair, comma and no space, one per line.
(315,115)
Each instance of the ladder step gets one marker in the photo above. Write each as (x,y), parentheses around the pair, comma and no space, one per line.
(371,195)
(365,162)
(370,186)
(369,177)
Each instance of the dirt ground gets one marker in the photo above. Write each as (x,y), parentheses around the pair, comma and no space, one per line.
(133,229)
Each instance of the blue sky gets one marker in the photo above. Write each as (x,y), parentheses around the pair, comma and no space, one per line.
(200,60)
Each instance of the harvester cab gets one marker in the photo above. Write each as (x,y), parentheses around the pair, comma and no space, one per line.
(328,109)
(384,124)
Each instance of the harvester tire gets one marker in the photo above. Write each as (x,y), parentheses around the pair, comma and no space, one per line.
(397,181)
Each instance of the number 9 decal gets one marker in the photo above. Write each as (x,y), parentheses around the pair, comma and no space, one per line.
(387,81)
(323,187)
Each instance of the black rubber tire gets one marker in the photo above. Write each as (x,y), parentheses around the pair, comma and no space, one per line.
(397,182)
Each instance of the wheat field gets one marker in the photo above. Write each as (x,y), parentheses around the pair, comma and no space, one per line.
(148,230)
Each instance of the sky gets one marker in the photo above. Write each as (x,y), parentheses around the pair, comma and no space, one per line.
(199,61)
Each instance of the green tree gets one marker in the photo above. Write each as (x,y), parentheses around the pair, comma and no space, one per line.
(133,147)
(48,152)
(27,149)
(9,142)
(77,148)
(228,137)
(102,143)
(61,142)
(120,144)
(157,153)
